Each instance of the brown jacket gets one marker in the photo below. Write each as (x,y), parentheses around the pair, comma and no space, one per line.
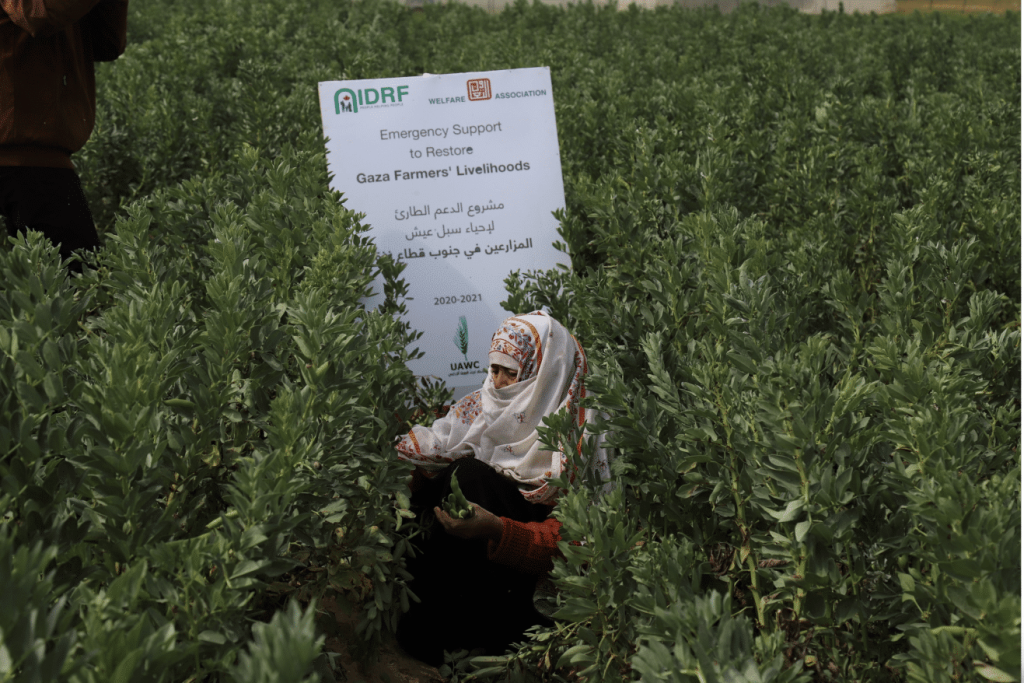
(47,82)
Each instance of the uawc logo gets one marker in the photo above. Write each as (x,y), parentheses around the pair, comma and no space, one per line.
(347,99)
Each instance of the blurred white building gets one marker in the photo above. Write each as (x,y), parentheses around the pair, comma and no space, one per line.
(808,6)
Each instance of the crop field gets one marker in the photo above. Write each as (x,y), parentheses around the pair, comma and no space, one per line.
(795,246)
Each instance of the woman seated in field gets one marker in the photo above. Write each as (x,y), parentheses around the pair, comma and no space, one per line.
(475,577)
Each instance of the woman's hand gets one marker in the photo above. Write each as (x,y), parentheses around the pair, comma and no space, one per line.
(482,524)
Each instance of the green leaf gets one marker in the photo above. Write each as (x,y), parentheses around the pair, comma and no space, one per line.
(967,568)
(6,663)
(125,670)
(125,589)
(846,609)
(576,609)
(55,659)
(822,531)
(53,387)
(251,537)
(571,655)
(963,601)
(994,674)
(792,511)
(247,567)
(743,363)
(212,637)
(307,351)
(990,651)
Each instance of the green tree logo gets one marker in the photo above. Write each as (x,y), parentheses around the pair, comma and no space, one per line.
(462,337)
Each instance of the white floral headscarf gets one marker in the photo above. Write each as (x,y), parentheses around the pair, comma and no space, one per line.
(499,426)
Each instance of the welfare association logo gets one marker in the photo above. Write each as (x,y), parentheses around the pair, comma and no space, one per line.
(478,89)
(347,100)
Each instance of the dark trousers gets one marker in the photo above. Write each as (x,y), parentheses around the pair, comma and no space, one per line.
(51,201)
(467,601)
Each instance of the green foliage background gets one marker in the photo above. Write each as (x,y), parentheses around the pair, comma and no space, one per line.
(795,244)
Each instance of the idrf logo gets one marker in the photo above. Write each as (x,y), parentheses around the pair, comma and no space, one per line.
(349,100)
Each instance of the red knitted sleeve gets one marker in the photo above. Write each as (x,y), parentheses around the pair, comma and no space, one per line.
(527,546)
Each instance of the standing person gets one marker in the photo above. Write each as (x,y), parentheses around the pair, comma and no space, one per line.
(48,109)
(476,577)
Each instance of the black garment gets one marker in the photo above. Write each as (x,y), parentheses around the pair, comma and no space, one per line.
(51,201)
(467,601)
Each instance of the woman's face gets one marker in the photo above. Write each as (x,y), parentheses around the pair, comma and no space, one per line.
(503,377)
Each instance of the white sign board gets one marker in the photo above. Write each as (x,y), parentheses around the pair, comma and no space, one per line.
(458,176)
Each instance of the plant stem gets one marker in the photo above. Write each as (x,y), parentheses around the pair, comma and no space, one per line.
(741,521)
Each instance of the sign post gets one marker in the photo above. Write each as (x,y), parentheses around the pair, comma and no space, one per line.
(458,176)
